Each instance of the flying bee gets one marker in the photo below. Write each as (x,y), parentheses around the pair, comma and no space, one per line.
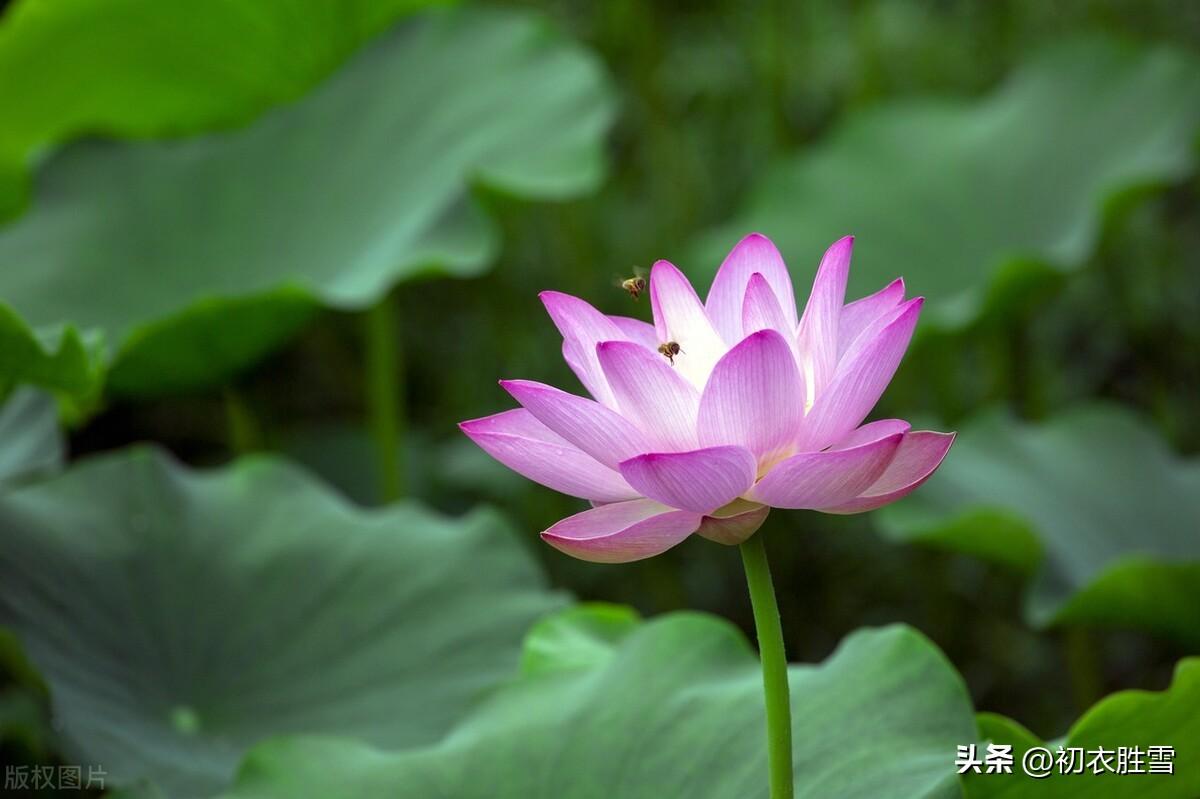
(636,285)
(669,350)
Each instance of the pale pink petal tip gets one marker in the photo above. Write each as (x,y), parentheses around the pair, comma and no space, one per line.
(597,430)
(872,431)
(622,532)
(860,314)
(761,309)
(754,254)
(842,248)
(529,448)
(916,459)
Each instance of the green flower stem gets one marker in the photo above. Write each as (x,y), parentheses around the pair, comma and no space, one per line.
(774,665)
(383,396)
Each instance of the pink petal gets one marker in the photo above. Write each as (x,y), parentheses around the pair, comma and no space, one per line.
(754,397)
(761,310)
(601,433)
(824,479)
(856,316)
(650,394)
(622,532)
(734,524)
(582,328)
(872,431)
(701,480)
(679,316)
(916,459)
(818,332)
(637,330)
(531,449)
(753,254)
(862,375)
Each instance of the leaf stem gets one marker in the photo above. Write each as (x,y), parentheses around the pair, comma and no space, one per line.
(774,665)
(384,397)
(242,429)
(1082,654)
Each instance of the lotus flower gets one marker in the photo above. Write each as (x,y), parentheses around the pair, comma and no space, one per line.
(754,409)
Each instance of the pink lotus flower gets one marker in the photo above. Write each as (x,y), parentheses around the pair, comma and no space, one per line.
(757,410)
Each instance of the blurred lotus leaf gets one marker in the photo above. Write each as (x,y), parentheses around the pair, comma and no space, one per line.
(581,637)
(196,256)
(178,617)
(1129,719)
(1091,501)
(32,444)
(57,358)
(668,708)
(975,202)
(146,68)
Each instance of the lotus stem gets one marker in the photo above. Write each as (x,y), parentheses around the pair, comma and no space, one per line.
(774,665)
(383,396)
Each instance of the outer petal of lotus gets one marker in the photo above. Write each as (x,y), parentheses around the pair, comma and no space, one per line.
(679,316)
(529,448)
(651,395)
(818,331)
(862,375)
(600,432)
(734,523)
(701,480)
(858,315)
(622,532)
(582,328)
(755,254)
(872,431)
(753,398)
(916,459)
(825,479)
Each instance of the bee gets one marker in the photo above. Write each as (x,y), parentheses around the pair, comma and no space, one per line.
(636,285)
(669,350)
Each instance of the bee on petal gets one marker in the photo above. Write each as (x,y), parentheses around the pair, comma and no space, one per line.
(669,350)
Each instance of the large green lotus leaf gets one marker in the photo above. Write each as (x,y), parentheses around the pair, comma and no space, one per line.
(975,201)
(58,358)
(1128,719)
(363,183)
(140,68)
(669,708)
(24,721)
(178,617)
(580,637)
(1092,502)
(179,352)
(31,442)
